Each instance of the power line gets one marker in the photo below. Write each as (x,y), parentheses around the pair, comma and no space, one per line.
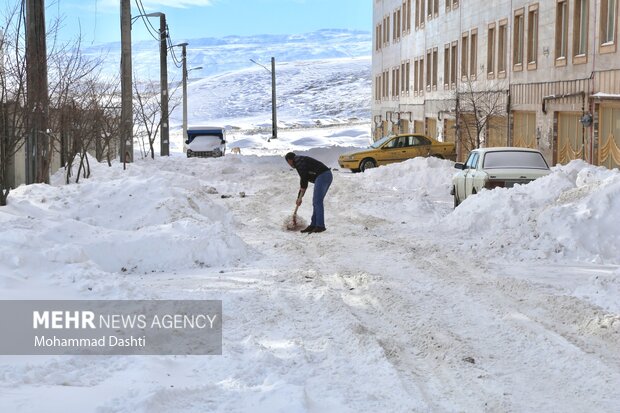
(177,62)
(149,26)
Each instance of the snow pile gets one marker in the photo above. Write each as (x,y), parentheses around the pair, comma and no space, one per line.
(585,219)
(141,220)
(572,213)
(426,175)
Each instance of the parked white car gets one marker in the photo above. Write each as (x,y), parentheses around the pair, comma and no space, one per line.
(205,141)
(496,167)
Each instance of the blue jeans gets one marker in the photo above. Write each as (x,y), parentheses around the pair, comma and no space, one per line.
(321,185)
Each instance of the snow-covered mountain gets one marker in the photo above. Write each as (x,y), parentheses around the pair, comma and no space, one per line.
(322,78)
(219,55)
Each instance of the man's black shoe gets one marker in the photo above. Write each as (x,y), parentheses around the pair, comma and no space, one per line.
(308,229)
(318,229)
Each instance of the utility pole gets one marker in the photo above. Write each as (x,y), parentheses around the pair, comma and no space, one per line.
(185,72)
(184,54)
(126,147)
(37,145)
(164,147)
(274,120)
(184,59)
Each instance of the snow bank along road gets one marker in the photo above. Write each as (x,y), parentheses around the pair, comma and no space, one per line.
(402,305)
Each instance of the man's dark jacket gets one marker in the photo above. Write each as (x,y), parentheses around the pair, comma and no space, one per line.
(308,169)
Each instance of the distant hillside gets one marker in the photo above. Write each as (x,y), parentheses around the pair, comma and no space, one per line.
(310,92)
(323,77)
(218,55)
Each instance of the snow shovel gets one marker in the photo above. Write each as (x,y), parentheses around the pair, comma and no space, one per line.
(294,223)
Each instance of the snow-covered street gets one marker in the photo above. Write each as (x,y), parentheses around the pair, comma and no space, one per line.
(510,303)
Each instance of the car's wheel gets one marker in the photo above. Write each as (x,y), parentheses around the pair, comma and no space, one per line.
(456,201)
(189,154)
(367,163)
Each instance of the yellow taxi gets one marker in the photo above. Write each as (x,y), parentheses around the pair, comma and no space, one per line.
(396,148)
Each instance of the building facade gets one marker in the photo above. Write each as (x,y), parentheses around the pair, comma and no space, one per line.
(542,74)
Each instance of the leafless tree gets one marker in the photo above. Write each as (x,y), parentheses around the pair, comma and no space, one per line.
(12,97)
(147,113)
(82,104)
(476,106)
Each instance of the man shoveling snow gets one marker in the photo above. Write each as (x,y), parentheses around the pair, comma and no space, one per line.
(311,170)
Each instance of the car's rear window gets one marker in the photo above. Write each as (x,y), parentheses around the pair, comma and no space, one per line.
(514,159)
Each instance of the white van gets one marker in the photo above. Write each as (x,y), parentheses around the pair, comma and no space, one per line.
(205,141)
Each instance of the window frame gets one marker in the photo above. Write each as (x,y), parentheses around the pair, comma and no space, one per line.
(454,49)
(464,56)
(502,48)
(518,39)
(609,46)
(446,66)
(473,54)
(581,26)
(533,18)
(435,64)
(491,47)
(561,33)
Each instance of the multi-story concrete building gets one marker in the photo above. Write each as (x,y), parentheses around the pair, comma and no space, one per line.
(542,74)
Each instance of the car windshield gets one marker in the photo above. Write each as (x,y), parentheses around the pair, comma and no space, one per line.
(514,159)
(380,142)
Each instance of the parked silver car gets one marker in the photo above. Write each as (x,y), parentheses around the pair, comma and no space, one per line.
(496,167)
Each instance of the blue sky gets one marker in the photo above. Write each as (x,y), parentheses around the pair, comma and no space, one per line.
(99,20)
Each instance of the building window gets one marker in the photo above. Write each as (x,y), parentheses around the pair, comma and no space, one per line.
(453,60)
(517,57)
(464,55)
(408,16)
(580,32)
(502,47)
(532,37)
(435,67)
(395,32)
(417,14)
(395,82)
(608,25)
(446,66)
(418,76)
(561,32)
(403,24)
(386,84)
(432,8)
(407,76)
(473,57)
(429,69)
(491,51)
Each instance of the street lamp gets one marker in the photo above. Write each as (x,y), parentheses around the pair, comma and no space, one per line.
(164,147)
(185,72)
(274,123)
